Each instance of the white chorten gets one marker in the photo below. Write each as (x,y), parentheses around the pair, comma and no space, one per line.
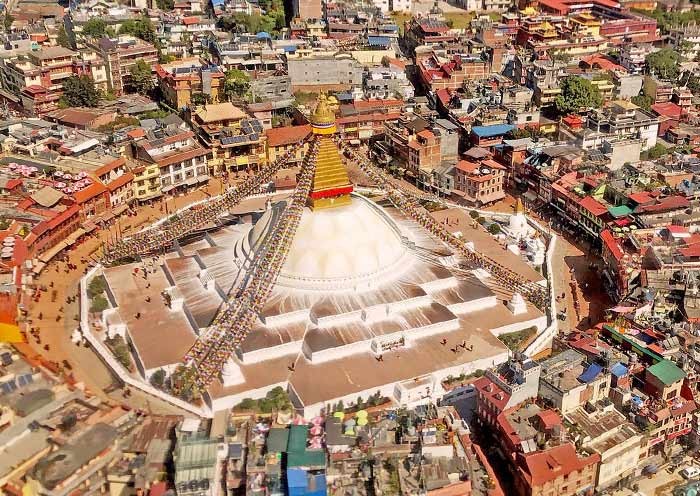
(517,227)
(517,304)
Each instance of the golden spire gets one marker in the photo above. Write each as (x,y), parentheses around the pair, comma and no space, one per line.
(519,209)
(331,185)
(323,113)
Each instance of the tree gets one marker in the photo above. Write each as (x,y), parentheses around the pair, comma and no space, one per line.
(643,101)
(494,229)
(657,151)
(62,38)
(198,99)
(99,304)
(664,63)
(141,28)
(236,83)
(165,4)
(8,22)
(80,91)
(96,287)
(158,378)
(577,94)
(141,77)
(525,132)
(95,28)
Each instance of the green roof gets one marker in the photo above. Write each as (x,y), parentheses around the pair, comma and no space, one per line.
(297,438)
(306,458)
(620,211)
(667,372)
(276,441)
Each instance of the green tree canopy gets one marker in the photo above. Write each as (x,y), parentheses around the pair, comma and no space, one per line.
(8,22)
(664,63)
(80,91)
(141,77)
(95,28)
(577,94)
(643,101)
(141,28)
(236,83)
(63,39)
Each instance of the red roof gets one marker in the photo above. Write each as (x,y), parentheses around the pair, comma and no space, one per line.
(593,206)
(549,418)
(664,204)
(668,109)
(692,251)
(13,183)
(125,178)
(611,243)
(677,229)
(641,198)
(603,63)
(136,133)
(544,466)
(492,393)
(110,166)
(90,192)
(190,20)
(426,133)
(287,135)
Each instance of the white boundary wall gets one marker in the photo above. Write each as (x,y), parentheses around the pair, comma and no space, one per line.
(116,367)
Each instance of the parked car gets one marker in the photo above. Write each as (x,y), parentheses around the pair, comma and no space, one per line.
(690,472)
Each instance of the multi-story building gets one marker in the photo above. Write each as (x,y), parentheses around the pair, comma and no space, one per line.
(622,119)
(37,78)
(667,412)
(479,183)
(386,82)
(181,160)
(607,432)
(436,75)
(281,139)
(558,470)
(120,55)
(325,72)
(307,9)
(633,56)
(567,381)
(180,80)
(235,141)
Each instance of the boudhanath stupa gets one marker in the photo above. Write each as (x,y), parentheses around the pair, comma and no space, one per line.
(366,299)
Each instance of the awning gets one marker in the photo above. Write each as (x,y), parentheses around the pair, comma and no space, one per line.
(89,226)
(52,252)
(203,178)
(120,209)
(165,189)
(73,237)
(190,181)
(105,217)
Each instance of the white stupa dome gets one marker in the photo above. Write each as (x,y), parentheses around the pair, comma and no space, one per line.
(349,247)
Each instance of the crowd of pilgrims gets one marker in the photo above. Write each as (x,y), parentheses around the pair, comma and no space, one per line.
(213,349)
(161,236)
(405,201)
(210,353)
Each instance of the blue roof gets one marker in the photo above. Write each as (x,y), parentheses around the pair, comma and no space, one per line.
(618,370)
(290,48)
(379,40)
(296,478)
(263,35)
(493,130)
(590,373)
(217,2)
(389,27)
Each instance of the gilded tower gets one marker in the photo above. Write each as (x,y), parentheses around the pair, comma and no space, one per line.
(331,185)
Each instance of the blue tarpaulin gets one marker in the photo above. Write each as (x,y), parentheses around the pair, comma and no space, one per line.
(590,373)
(378,40)
(618,370)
